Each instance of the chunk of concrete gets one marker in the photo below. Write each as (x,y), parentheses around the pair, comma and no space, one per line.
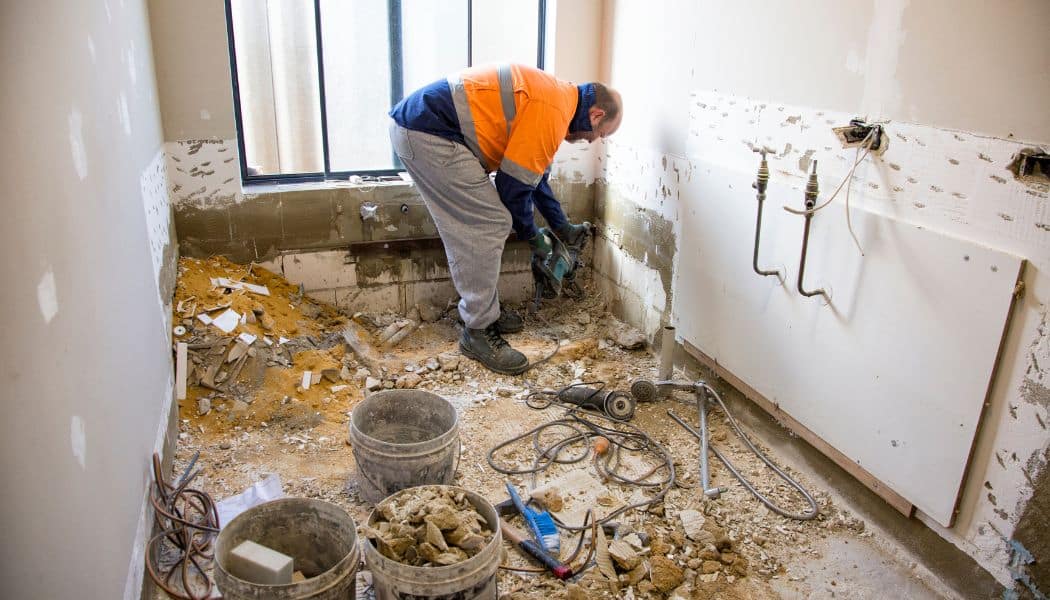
(692,523)
(624,335)
(258,564)
(448,361)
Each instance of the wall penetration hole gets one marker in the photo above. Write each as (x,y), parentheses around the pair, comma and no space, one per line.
(1031,165)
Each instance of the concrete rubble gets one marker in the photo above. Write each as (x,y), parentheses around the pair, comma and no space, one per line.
(428,526)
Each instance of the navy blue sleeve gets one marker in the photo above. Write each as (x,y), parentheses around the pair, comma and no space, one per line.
(517,197)
(548,205)
(430,109)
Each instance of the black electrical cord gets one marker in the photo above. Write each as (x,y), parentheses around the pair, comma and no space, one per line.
(813,510)
(702,390)
(533,365)
(584,428)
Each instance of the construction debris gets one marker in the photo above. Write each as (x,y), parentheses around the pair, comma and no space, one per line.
(693,524)
(549,497)
(626,557)
(428,526)
(666,575)
(428,312)
(624,336)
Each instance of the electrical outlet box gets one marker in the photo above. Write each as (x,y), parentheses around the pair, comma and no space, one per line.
(859,134)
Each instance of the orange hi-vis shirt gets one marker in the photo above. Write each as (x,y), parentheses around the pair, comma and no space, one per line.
(513,117)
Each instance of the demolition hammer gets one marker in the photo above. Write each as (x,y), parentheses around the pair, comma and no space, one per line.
(555,274)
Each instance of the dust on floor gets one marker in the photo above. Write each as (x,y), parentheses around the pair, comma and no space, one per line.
(257,414)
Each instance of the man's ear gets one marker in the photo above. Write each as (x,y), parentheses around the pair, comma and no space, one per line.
(596,115)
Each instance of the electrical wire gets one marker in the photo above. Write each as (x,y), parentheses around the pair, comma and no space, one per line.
(866,142)
(849,186)
(814,509)
(582,428)
(189,521)
(533,365)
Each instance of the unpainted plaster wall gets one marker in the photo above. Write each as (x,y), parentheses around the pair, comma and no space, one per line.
(963,85)
(88,272)
(193,69)
(574,39)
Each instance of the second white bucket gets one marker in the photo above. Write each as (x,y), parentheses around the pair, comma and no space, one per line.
(401,439)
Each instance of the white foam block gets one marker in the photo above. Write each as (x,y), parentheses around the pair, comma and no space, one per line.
(258,564)
(180,370)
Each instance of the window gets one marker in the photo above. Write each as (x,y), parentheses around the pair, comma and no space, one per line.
(314,79)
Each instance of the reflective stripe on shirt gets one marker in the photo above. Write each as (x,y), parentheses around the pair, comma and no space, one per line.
(506,94)
(466,121)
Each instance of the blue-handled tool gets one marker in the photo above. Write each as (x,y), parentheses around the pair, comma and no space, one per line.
(540,523)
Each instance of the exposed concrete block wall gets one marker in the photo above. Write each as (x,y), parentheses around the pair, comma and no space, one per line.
(384,280)
(319,238)
(88,264)
(964,87)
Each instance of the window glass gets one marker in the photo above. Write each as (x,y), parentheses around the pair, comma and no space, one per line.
(277,80)
(357,83)
(434,40)
(505,31)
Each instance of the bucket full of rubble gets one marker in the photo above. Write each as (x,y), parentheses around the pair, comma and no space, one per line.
(434,541)
(401,439)
(320,537)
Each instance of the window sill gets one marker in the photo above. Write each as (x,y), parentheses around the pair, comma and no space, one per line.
(270,187)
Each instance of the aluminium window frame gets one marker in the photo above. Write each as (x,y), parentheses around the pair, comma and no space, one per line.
(396,91)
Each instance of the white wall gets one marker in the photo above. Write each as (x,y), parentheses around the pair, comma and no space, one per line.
(85,368)
(966,80)
(574,35)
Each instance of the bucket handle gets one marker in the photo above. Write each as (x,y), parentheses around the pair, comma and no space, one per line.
(459,452)
(364,472)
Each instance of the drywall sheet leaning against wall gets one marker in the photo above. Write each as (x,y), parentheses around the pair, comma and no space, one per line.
(894,371)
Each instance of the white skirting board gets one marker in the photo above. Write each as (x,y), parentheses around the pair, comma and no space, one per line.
(894,372)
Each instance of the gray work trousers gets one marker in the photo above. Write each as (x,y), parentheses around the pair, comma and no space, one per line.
(471,219)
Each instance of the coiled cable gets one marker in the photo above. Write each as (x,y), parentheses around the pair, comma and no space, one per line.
(814,510)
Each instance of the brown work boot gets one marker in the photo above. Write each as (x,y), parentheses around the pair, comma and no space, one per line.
(489,348)
(509,321)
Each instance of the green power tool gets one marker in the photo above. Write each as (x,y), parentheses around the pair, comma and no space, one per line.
(555,274)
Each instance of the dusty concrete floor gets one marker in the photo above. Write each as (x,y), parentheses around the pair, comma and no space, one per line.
(304,441)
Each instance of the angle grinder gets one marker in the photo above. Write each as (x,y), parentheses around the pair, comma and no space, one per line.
(617,405)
